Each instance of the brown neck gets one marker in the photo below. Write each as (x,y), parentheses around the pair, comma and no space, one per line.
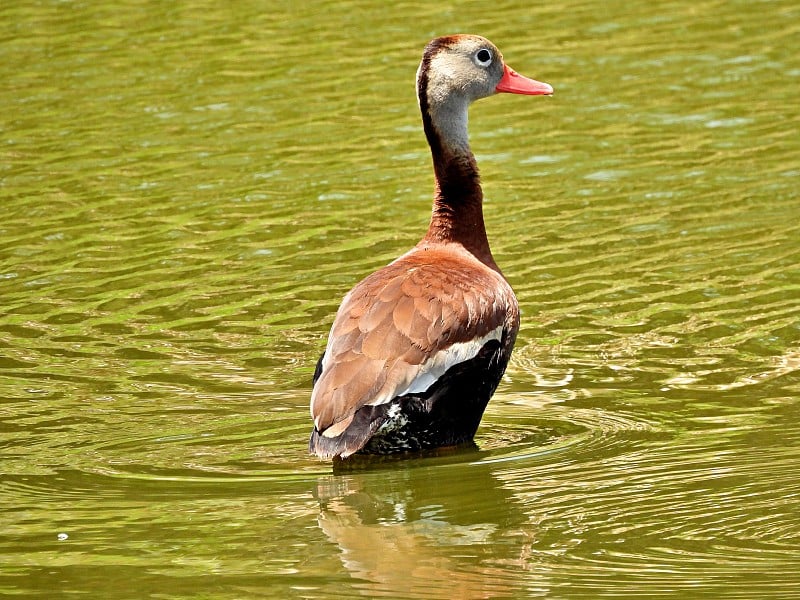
(457,215)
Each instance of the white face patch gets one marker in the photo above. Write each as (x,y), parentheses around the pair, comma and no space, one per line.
(451,79)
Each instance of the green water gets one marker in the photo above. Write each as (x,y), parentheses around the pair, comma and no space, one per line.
(187,190)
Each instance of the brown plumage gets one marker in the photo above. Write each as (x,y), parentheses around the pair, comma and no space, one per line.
(417,348)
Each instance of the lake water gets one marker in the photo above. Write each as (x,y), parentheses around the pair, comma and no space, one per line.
(188,189)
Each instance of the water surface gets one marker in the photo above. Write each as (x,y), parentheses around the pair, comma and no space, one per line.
(186,193)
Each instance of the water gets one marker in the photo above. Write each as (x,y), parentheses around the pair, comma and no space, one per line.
(186,193)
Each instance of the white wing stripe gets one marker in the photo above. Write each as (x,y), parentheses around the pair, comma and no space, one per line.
(437,365)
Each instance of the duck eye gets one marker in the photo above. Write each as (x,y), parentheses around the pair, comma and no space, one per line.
(483,57)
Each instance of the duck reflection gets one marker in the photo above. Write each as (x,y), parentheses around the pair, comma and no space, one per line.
(439,527)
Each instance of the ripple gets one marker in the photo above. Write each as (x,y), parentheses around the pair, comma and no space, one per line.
(541,427)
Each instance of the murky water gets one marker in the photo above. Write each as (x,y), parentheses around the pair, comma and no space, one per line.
(187,190)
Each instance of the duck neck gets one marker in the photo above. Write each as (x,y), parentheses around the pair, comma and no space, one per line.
(457,215)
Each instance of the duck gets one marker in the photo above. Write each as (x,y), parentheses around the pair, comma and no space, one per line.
(417,348)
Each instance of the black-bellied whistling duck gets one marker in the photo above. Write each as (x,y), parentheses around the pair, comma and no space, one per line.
(417,348)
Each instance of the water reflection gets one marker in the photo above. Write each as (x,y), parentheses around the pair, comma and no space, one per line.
(438,531)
